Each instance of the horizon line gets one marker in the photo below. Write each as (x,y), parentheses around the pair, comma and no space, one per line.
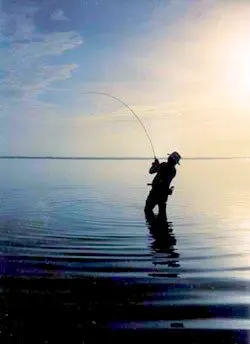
(116,157)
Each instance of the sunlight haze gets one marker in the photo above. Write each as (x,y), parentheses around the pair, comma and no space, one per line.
(183,66)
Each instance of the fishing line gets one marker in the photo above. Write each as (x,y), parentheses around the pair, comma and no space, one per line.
(131,110)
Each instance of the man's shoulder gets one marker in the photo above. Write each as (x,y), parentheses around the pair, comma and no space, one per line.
(165,166)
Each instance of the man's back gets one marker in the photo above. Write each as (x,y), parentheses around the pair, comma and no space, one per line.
(165,174)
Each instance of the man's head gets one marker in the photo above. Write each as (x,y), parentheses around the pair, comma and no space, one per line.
(174,158)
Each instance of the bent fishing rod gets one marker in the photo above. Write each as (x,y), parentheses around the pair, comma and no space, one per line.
(130,109)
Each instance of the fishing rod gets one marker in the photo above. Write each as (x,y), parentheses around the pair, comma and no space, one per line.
(131,110)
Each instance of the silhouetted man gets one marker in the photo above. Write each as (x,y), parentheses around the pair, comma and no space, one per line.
(158,195)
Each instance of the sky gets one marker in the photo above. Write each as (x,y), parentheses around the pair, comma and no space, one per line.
(183,66)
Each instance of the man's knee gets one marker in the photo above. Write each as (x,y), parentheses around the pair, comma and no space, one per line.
(162,206)
(148,207)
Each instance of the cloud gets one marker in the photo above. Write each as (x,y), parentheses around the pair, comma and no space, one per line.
(17,23)
(59,15)
(29,60)
(45,76)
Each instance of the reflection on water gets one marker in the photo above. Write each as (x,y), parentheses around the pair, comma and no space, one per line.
(163,246)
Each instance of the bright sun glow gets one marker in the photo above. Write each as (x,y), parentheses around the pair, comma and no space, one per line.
(238,68)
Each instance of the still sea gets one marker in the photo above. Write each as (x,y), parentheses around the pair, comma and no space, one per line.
(80,264)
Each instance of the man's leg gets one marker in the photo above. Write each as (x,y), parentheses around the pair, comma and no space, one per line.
(162,215)
(149,206)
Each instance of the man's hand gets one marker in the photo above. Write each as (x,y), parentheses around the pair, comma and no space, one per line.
(156,163)
(155,166)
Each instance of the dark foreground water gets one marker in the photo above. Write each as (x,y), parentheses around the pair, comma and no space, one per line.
(79,263)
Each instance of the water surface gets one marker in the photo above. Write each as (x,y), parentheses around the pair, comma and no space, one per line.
(83,221)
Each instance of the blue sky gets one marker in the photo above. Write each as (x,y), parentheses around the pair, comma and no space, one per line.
(165,58)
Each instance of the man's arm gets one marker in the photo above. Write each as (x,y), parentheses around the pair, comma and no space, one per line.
(155,166)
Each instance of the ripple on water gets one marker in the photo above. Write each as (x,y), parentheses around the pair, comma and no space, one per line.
(191,273)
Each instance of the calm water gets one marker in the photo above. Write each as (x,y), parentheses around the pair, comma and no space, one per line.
(83,221)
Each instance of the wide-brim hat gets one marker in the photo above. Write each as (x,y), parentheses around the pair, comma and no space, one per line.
(175,156)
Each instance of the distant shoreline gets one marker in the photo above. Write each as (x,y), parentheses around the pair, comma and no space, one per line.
(73,158)
(113,158)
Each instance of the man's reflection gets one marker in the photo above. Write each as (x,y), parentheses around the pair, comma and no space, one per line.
(163,244)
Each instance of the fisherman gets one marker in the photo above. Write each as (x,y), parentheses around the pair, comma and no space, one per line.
(158,195)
